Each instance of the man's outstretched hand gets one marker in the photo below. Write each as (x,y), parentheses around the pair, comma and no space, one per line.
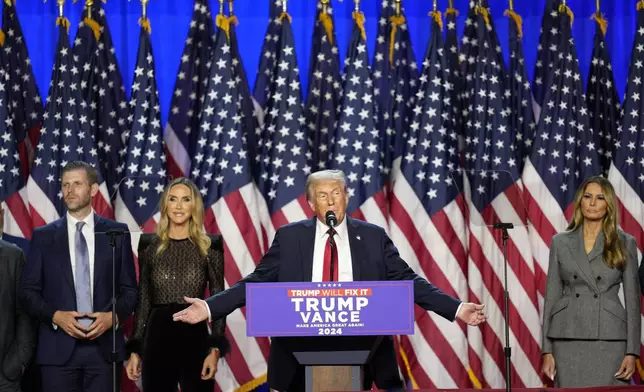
(193,314)
(472,314)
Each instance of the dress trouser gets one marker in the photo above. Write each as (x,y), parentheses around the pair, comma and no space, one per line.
(173,353)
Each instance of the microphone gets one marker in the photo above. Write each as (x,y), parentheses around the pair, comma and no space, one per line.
(331,219)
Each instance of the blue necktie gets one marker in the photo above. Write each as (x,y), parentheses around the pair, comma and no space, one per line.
(82,278)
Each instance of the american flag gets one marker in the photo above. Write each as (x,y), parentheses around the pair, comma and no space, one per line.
(604,107)
(325,90)
(142,171)
(427,223)
(12,179)
(546,54)
(103,89)
(263,80)
(395,74)
(249,109)
(563,153)
(454,68)
(281,159)
(626,172)
(26,112)
(221,170)
(182,127)
(23,94)
(493,193)
(65,136)
(357,148)
(519,111)
(265,72)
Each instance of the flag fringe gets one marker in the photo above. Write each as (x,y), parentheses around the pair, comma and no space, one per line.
(327,22)
(438,18)
(1,38)
(145,24)
(476,383)
(403,356)
(285,15)
(484,13)
(564,8)
(359,18)
(640,5)
(396,21)
(601,21)
(517,19)
(64,22)
(252,384)
(451,10)
(92,24)
(223,23)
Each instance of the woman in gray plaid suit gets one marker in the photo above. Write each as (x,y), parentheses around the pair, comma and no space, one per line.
(589,338)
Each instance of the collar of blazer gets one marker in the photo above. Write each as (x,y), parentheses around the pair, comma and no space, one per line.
(307,244)
(575,242)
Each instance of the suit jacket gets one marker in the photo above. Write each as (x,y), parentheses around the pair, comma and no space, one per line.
(47,286)
(17,329)
(582,293)
(290,259)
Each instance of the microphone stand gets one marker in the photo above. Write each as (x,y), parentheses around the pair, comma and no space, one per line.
(507,350)
(333,250)
(112,234)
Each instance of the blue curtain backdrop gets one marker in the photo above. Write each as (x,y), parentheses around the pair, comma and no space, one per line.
(170,20)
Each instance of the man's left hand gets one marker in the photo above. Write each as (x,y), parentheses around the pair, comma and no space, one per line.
(102,323)
(472,314)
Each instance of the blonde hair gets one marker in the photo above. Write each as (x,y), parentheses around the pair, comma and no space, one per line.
(197,235)
(614,251)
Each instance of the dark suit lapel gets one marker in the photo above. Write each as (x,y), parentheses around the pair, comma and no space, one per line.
(576,245)
(102,249)
(307,244)
(356,245)
(61,245)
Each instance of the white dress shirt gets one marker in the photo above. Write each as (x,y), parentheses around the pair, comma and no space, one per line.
(88,232)
(343,263)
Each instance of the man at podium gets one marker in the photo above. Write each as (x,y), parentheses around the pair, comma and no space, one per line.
(331,247)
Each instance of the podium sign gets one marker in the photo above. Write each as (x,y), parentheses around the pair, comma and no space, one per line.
(330,309)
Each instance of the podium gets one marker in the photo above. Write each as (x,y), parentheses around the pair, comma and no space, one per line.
(332,329)
(333,363)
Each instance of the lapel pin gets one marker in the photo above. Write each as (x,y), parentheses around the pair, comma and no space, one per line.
(358,237)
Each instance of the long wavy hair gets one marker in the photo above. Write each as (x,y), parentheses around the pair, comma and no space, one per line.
(614,250)
(197,235)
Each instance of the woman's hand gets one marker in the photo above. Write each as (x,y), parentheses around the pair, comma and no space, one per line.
(133,368)
(548,367)
(210,365)
(627,369)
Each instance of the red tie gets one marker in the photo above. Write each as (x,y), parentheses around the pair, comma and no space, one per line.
(326,274)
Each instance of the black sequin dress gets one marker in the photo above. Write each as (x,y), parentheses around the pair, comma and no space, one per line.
(173,352)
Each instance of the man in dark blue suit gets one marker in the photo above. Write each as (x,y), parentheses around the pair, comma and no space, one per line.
(301,252)
(67,286)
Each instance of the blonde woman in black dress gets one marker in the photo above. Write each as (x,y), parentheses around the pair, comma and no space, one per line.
(178,262)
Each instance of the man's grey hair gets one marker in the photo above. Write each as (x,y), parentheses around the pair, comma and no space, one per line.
(324,175)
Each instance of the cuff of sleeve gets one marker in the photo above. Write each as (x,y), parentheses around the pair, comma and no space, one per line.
(208,309)
(133,346)
(458,310)
(220,342)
